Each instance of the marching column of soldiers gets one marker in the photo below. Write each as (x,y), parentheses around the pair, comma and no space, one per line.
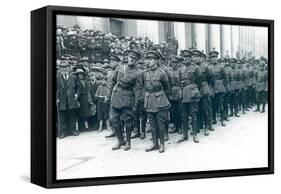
(145,91)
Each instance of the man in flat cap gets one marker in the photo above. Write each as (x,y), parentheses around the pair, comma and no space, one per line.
(123,101)
(67,102)
(218,87)
(189,77)
(154,82)
(206,76)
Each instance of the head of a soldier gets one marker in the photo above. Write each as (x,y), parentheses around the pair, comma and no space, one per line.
(133,57)
(186,56)
(213,56)
(114,61)
(196,56)
(153,58)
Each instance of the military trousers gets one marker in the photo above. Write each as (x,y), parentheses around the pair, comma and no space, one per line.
(158,122)
(205,112)
(175,113)
(121,118)
(218,106)
(140,118)
(189,109)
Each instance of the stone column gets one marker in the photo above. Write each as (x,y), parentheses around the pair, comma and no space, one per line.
(148,28)
(188,35)
(180,34)
(214,37)
(200,36)
(225,40)
(234,40)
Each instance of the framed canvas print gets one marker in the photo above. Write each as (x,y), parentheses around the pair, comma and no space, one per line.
(126,96)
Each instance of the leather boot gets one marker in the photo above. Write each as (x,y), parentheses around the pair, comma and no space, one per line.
(120,140)
(118,144)
(128,140)
(161,148)
(195,138)
(206,132)
(155,145)
(184,136)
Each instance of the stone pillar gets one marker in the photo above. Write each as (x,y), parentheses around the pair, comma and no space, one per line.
(214,37)
(225,40)
(189,32)
(200,36)
(234,40)
(180,34)
(148,28)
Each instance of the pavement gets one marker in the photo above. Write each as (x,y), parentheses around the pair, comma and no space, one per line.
(242,143)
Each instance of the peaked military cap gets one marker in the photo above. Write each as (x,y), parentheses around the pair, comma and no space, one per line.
(153,54)
(134,54)
(197,53)
(175,59)
(213,53)
(186,53)
(114,57)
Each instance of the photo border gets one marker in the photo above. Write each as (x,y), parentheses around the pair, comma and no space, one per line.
(50,70)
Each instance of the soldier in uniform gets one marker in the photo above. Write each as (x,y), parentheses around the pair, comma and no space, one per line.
(140,113)
(122,93)
(206,77)
(154,82)
(261,87)
(244,85)
(175,97)
(236,86)
(227,102)
(189,78)
(67,101)
(114,61)
(218,87)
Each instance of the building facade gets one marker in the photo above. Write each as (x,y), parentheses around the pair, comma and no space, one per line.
(229,40)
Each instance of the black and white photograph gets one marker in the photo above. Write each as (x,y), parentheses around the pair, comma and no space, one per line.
(141,97)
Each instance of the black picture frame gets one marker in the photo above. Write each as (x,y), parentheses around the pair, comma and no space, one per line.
(43,111)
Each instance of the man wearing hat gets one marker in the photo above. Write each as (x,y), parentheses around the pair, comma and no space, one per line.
(261,87)
(218,86)
(205,110)
(67,102)
(122,93)
(189,78)
(175,63)
(154,82)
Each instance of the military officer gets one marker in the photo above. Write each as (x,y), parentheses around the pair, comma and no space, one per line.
(114,61)
(228,72)
(218,86)
(236,85)
(122,93)
(175,63)
(261,87)
(189,77)
(205,101)
(155,84)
